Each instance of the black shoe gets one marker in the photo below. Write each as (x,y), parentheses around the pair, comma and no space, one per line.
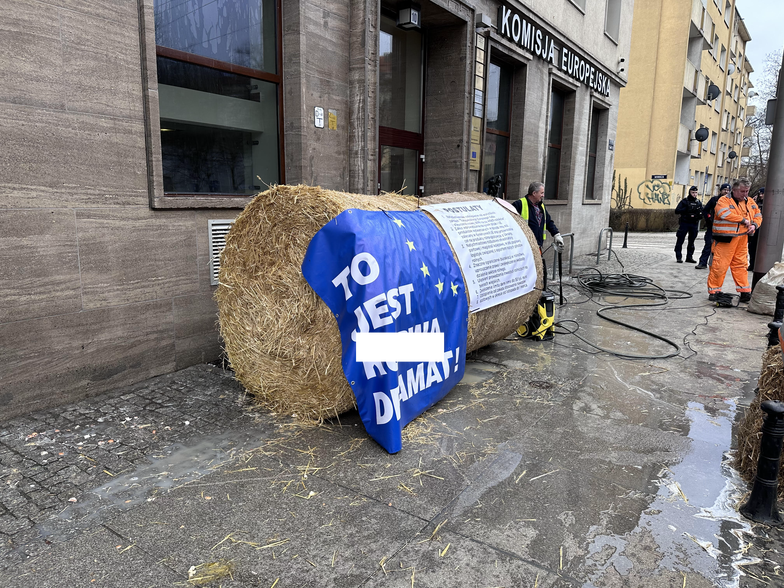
(690,260)
(700,266)
(745,296)
(678,261)
(713,297)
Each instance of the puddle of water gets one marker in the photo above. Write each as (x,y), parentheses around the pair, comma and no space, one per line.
(476,373)
(175,466)
(692,519)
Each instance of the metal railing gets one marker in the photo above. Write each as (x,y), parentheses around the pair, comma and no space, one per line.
(609,244)
(571,253)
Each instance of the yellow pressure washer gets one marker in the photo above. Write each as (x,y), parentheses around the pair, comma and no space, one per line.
(540,326)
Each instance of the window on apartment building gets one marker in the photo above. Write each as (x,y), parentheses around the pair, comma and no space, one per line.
(718,5)
(499,109)
(715,48)
(732,124)
(723,58)
(714,140)
(219,95)
(727,12)
(579,4)
(612,19)
(591,193)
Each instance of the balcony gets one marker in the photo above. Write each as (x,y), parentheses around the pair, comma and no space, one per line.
(700,23)
(745,151)
(751,110)
(684,139)
(748,131)
(693,83)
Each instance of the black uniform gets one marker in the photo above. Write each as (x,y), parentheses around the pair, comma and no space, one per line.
(690,211)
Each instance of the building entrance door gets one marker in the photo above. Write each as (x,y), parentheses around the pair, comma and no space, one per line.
(401,142)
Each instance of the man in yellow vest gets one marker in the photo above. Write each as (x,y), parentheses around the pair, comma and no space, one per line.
(737,217)
(540,325)
(532,210)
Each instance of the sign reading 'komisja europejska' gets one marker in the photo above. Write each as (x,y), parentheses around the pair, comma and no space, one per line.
(389,272)
(512,25)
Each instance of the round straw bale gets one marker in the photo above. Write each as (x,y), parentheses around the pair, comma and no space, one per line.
(281,339)
(770,387)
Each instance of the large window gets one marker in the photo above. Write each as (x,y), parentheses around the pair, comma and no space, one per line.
(554,144)
(612,19)
(401,141)
(219,95)
(593,146)
(499,105)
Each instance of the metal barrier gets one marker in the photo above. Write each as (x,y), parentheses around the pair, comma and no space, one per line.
(609,244)
(571,253)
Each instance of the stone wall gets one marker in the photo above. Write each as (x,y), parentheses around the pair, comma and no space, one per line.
(97,289)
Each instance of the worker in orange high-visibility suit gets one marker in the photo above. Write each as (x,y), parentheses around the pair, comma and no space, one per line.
(737,216)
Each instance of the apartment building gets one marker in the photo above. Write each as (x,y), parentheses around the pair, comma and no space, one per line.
(682,115)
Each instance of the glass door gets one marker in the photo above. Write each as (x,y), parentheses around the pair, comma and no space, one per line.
(401,142)
(499,110)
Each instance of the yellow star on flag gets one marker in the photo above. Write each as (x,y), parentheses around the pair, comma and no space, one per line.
(410,245)
(424,270)
(454,289)
(440,286)
(398,222)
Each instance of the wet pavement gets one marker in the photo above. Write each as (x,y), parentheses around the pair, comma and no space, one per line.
(551,464)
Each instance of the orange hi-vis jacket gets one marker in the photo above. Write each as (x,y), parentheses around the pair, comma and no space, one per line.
(730,214)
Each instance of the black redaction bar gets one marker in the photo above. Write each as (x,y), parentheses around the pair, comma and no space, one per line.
(383,346)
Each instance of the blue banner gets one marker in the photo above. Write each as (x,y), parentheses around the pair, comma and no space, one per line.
(391,272)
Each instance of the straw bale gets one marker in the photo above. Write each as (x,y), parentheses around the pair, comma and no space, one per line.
(281,339)
(771,387)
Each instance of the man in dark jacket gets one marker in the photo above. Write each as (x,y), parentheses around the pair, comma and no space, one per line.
(533,211)
(708,211)
(690,211)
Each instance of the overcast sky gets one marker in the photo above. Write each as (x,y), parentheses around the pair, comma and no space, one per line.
(765,21)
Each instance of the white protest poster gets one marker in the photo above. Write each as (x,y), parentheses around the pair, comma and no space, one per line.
(492,249)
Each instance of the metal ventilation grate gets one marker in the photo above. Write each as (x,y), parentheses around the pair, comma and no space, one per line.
(218,231)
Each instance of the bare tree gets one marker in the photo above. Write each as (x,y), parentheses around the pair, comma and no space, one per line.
(756,164)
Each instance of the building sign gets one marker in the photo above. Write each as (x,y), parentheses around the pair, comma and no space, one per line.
(659,177)
(513,26)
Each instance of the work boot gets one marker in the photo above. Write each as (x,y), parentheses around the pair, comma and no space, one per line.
(700,266)
(691,260)
(714,296)
(745,296)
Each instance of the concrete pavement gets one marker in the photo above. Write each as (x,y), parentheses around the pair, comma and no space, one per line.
(551,464)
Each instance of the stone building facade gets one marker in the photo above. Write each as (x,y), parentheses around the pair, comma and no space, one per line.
(131,127)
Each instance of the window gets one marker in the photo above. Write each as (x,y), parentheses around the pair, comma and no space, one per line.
(219,96)
(401,141)
(554,144)
(612,19)
(593,145)
(714,140)
(723,58)
(499,107)
(715,48)
(579,4)
(727,12)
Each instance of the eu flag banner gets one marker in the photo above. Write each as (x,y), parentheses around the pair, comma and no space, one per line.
(391,272)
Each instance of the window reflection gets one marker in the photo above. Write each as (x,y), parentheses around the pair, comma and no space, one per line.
(232,31)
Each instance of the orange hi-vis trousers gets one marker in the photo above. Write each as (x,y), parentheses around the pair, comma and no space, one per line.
(730,255)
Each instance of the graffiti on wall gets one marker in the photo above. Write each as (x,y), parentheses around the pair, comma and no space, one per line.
(652,192)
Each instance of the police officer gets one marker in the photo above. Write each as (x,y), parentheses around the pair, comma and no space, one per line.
(690,210)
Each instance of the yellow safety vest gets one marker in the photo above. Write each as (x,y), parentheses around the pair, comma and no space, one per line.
(524,214)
